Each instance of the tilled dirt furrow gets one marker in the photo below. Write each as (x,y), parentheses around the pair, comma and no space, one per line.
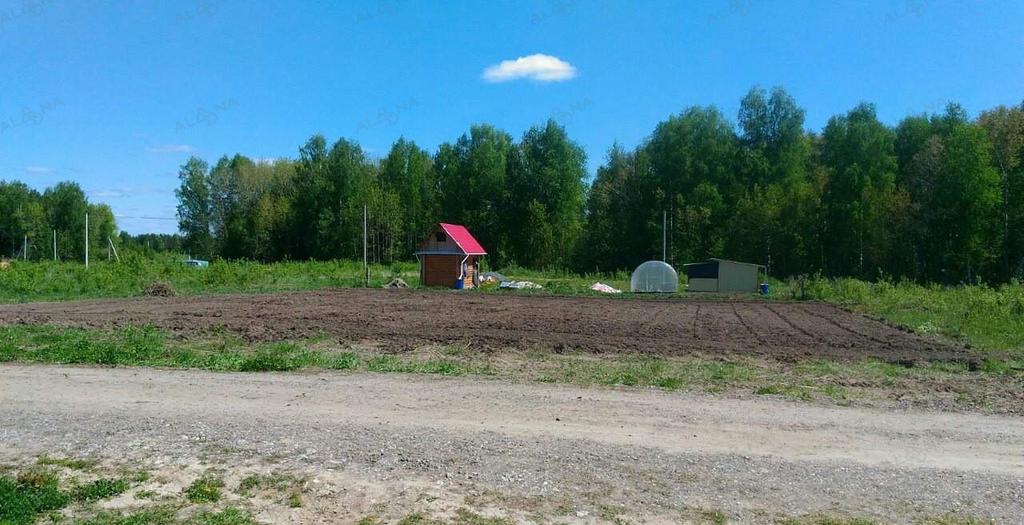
(406,319)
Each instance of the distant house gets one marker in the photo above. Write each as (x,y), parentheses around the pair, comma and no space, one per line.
(450,257)
(720,275)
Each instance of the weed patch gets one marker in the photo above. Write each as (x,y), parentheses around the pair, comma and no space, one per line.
(70,463)
(28,495)
(206,489)
(99,489)
(278,357)
(158,516)
(228,516)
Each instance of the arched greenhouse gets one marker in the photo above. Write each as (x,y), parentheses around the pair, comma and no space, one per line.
(654,276)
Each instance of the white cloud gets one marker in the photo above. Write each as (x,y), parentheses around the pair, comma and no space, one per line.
(38,170)
(171,148)
(542,68)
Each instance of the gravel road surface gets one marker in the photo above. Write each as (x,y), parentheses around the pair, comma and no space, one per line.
(652,454)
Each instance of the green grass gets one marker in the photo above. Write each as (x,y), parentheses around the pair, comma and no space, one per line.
(28,495)
(806,380)
(37,494)
(441,366)
(168,516)
(631,370)
(50,281)
(416,518)
(986,317)
(149,346)
(228,516)
(206,489)
(100,489)
(289,485)
(71,463)
(156,516)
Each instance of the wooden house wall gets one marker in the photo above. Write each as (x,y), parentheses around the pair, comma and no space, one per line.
(440,270)
(432,244)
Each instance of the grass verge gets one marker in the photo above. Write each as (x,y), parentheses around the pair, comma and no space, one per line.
(993,386)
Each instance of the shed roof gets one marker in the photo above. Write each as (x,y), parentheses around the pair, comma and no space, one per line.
(717,260)
(463,239)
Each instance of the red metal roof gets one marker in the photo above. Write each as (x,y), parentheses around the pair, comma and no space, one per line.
(463,238)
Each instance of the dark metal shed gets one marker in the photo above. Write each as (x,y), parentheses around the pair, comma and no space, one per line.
(720,275)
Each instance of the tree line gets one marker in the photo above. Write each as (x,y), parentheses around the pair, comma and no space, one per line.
(937,198)
(30,220)
(523,200)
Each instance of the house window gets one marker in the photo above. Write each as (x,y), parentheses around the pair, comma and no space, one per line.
(441,237)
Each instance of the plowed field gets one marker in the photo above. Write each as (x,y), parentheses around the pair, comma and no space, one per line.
(403,319)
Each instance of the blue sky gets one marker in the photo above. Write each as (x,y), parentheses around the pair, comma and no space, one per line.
(117,94)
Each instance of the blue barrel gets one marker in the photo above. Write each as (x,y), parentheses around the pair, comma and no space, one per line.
(459,284)
(765,289)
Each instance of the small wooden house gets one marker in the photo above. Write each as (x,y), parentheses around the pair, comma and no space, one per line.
(450,257)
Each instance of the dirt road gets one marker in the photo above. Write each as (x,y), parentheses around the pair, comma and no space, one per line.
(651,453)
(401,319)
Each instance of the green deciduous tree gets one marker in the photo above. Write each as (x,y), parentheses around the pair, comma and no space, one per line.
(1005,129)
(545,207)
(194,208)
(473,186)
(859,152)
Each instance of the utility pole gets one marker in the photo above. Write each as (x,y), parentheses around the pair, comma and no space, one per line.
(110,246)
(86,240)
(366,267)
(664,236)
(54,245)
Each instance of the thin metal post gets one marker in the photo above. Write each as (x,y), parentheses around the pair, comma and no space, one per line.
(54,245)
(86,240)
(366,267)
(664,236)
(24,248)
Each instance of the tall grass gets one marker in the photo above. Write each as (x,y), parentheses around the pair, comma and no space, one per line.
(990,317)
(47,281)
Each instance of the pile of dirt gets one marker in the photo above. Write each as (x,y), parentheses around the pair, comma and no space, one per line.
(159,289)
(675,327)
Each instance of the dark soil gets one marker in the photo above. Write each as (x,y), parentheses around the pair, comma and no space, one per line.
(403,319)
